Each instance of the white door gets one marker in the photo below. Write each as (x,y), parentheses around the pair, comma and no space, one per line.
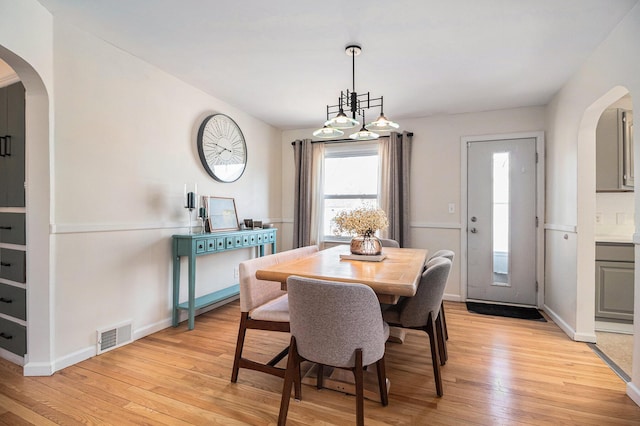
(501,221)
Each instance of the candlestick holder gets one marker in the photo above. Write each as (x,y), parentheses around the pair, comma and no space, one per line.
(190,203)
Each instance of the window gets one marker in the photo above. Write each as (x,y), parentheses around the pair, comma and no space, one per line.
(351,176)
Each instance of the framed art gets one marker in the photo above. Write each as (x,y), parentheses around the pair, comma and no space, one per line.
(222,214)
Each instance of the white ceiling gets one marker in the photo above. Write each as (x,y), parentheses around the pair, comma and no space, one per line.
(283,61)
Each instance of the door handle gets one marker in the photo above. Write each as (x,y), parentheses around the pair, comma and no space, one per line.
(473,230)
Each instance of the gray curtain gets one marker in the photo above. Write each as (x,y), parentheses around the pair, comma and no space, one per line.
(302,202)
(395,160)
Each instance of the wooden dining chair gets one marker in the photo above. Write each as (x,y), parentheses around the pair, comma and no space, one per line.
(338,325)
(421,311)
(263,306)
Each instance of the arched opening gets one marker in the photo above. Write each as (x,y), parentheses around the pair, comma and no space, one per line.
(605,221)
(40,329)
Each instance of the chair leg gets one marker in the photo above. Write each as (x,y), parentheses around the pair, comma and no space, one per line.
(320,377)
(382,382)
(293,365)
(358,372)
(239,344)
(444,321)
(442,342)
(435,353)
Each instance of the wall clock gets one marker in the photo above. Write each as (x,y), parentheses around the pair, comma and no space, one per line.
(222,148)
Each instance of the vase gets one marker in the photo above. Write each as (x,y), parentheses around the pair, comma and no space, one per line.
(366,245)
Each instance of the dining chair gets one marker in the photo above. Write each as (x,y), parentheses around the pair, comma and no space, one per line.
(420,312)
(449,254)
(334,324)
(389,243)
(263,306)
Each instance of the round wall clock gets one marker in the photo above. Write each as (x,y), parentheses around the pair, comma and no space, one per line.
(222,148)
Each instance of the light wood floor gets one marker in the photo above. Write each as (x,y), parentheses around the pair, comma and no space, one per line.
(500,371)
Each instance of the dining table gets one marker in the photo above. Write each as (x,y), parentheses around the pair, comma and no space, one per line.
(396,275)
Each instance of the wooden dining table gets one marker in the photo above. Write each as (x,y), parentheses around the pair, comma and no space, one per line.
(398,274)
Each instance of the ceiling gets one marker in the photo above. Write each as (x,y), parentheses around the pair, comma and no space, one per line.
(283,61)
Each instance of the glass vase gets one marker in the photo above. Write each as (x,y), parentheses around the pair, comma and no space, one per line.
(366,245)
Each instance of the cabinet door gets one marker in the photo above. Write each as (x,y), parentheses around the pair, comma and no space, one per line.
(607,152)
(12,151)
(614,290)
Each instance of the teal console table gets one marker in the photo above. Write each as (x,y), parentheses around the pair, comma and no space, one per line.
(194,245)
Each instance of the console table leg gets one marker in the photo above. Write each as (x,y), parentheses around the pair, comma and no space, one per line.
(175,317)
(192,292)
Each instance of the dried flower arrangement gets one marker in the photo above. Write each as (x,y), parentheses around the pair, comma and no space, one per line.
(361,221)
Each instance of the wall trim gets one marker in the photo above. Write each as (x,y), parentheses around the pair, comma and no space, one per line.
(564,326)
(436,225)
(38,369)
(453,297)
(10,356)
(633,392)
(561,228)
(9,79)
(636,238)
(70,228)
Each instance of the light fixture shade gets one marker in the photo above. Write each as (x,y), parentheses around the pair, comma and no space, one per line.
(341,121)
(364,135)
(328,133)
(382,124)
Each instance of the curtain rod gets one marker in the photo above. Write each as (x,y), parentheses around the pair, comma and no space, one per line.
(410,134)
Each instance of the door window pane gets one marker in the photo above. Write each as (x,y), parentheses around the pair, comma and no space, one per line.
(500,209)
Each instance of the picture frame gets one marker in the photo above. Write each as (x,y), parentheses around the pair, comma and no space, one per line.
(222,214)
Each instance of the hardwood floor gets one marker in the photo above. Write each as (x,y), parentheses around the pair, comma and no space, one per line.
(500,371)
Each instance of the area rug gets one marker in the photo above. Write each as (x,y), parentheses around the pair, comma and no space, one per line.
(505,311)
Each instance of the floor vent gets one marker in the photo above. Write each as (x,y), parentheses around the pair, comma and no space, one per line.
(113,337)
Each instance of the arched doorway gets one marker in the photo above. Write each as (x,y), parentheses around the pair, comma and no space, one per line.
(40,330)
(589,214)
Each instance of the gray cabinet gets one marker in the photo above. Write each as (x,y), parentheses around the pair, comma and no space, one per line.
(12,145)
(614,282)
(614,151)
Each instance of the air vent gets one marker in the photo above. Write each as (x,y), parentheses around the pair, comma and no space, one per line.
(113,337)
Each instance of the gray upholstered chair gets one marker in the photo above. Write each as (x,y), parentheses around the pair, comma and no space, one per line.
(263,306)
(338,325)
(389,243)
(421,311)
(449,254)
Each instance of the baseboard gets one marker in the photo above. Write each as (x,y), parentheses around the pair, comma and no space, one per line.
(633,392)
(578,337)
(38,369)
(452,297)
(10,356)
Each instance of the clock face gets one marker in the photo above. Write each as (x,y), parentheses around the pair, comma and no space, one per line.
(222,148)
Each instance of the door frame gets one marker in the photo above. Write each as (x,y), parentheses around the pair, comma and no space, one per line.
(540,182)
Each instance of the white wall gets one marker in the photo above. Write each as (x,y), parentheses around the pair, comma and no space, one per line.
(609,73)
(122,146)
(435,174)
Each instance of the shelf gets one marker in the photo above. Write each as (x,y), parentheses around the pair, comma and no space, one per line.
(211,298)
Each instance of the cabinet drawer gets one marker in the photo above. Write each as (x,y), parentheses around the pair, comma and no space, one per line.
(211,244)
(12,265)
(616,252)
(13,337)
(12,228)
(13,301)
(201,246)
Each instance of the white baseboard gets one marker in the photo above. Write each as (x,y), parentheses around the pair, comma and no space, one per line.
(578,337)
(452,297)
(38,369)
(10,356)
(633,392)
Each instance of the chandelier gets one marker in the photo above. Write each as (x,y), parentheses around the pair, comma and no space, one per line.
(355,104)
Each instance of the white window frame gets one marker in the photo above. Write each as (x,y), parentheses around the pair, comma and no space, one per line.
(344,150)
